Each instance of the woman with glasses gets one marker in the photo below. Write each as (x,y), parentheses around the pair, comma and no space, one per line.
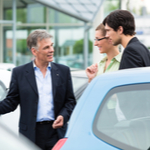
(112,59)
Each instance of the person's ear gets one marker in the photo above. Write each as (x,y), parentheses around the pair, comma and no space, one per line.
(33,50)
(120,29)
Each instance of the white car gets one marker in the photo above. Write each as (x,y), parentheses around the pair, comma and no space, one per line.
(79,81)
(13,117)
(5,77)
(7,66)
(10,141)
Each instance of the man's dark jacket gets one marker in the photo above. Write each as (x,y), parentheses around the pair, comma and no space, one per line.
(135,55)
(23,90)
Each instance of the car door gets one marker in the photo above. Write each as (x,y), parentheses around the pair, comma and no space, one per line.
(123,118)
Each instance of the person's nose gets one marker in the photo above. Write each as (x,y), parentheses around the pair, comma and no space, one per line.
(96,43)
(107,35)
(51,49)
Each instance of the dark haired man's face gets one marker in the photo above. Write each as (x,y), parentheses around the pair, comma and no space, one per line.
(113,35)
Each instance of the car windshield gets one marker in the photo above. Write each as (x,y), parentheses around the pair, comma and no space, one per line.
(78,82)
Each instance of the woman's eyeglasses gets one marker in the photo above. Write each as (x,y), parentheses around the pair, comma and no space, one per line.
(100,39)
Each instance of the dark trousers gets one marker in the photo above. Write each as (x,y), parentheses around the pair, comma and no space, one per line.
(46,136)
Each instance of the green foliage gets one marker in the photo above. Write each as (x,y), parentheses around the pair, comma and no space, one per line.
(22,46)
(8,15)
(148,48)
(110,5)
(63,18)
(21,15)
(78,47)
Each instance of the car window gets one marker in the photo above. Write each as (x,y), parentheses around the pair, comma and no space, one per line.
(123,118)
(3,91)
(78,82)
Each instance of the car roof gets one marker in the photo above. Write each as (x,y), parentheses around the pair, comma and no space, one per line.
(126,76)
(5,77)
(7,66)
(101,84)
(79,73)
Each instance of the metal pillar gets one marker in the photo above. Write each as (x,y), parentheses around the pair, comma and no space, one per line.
(14,31)
(56,38)
(1,32)
(120,4)
(86,46)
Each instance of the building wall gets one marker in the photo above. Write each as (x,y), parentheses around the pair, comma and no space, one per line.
(98,19)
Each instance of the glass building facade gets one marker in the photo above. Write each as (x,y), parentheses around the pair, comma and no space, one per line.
(72,33)
(68,33)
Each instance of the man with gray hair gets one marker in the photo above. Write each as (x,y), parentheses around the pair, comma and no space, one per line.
(43,89)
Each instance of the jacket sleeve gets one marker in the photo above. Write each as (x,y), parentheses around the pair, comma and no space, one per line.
(11,101)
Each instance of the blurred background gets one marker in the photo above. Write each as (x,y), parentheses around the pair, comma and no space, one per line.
(71,23)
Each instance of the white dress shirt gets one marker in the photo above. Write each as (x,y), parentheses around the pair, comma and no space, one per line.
(45,110)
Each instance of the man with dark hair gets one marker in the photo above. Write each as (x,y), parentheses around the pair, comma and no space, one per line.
(120,29)
(43,89)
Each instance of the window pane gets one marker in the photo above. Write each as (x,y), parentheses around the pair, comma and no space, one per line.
(124,117)
(8,44)
(138,7)
(69,47)
(90,52)
(27,15)
(8,14)
(24,55)
(36,13)
(21,15)
(110,5)
(58,17)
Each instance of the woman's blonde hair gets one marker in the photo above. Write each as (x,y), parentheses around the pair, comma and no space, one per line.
(102,28)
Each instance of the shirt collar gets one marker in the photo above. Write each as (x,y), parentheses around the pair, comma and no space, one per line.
(117,57)
(34,65)
(104,59)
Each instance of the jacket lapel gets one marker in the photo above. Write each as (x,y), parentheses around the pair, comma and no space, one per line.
(55,77)
(30,75)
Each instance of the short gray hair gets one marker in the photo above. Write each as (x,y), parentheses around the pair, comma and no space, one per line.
(36,36)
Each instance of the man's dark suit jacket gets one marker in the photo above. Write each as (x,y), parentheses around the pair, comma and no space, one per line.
(23,91)
(135,55)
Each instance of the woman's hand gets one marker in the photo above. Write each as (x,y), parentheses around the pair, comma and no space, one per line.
(92,71)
